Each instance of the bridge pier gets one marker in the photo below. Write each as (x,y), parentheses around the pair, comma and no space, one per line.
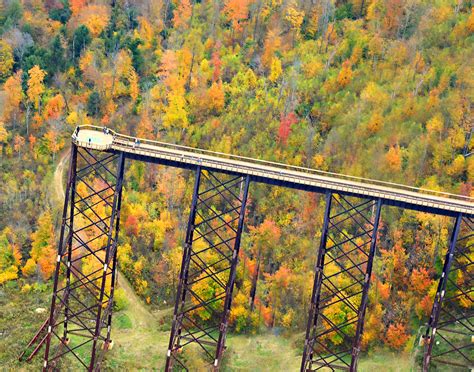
(452,317)
(208,267)
(84,278)
(341,283)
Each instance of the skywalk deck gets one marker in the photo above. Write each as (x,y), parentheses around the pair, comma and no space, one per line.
(273,173)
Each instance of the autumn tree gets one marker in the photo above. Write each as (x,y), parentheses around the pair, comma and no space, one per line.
(216,63)
(182,13)
(175,114)
(53,142)
(6,60)
(10,256)
(397,336)
(237,12)
(42,246)
(216,97)
(18,144)
(275,70)
(295,18)
(272,44)
(286,122)
(54,108)
(3,133)
(345,75)
(133,84)
(393,158)
(13,98)
(264,238)
(94,17)
(36,86)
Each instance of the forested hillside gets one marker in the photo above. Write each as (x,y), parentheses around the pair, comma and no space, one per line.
(379,89)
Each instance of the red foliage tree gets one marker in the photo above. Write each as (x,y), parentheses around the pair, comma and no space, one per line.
(131,225)
(286,122)
(216,63)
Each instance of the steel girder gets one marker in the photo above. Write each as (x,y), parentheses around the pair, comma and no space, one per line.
(208,267)
(449,335)
(341,284)
(84,279)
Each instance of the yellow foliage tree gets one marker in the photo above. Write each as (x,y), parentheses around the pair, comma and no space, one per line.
(393,158)
(373,325)
(456,168)
(145,32)
(374,95)
(216,96)
(375,123)
(6,60)
(10,257)
(175,113)
(435,125)
(29,268)
(345,75)
(470,21)
(95,17)
(133,82)
(275,70)
(3,133)
(294,17)
(35,85)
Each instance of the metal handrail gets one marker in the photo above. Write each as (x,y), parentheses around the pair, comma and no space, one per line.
(281,165)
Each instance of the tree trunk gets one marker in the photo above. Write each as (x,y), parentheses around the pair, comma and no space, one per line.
(253,290)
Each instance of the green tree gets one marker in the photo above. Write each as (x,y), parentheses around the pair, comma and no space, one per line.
(94,104)
(80,40)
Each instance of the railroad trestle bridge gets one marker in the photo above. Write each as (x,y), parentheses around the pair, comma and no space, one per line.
(81,307)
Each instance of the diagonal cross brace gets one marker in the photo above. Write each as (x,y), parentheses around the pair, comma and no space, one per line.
(340,231)
(77,300)
(217,218)
(452,317)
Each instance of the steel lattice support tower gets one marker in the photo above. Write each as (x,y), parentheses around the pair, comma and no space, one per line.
(452,317)
(84,278)
(208,268)
(341,284)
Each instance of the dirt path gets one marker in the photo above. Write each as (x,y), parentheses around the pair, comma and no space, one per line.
(58,177)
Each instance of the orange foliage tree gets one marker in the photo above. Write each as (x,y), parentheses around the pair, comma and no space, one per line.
(182,14)
(237,12)
(42,246)
(397,336)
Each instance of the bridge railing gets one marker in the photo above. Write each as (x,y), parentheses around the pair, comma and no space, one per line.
(343,177)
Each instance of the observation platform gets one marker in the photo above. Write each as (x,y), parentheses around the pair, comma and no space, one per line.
(104,139)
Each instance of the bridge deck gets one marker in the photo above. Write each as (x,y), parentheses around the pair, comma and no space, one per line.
(273,173)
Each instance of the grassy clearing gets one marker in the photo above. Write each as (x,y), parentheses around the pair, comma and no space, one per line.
(141,340)
(18,323)
(264,352)
(387,361)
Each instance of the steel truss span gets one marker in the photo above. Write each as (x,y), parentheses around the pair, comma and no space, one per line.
(80,317)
